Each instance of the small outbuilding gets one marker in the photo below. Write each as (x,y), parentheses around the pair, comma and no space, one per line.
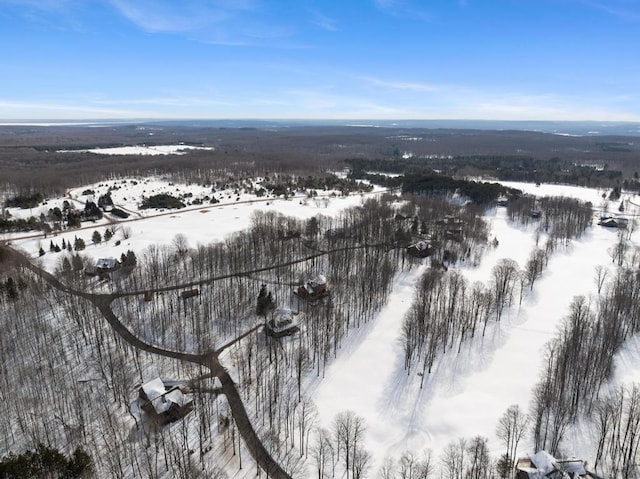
(189,293)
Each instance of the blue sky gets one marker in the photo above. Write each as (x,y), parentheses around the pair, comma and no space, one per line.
(305,59)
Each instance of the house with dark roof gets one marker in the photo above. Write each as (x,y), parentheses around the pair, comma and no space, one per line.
(420,249)
(103,267)
(107,265)
(613,222)
(313,289)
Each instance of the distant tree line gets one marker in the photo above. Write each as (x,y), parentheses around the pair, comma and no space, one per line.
(283,184)
(24,202)
(481,193)
(501,167)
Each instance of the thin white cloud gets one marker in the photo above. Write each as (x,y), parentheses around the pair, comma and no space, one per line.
(405,9)
(50,110)
(170,17)
(169,101)
(219,22)
(477,104)
(268,32)
(323,21)
(326,101)
(625,9)
(402,85)
(61,15)
(48,5)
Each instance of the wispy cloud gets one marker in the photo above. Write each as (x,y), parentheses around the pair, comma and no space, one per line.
(481,104)
(58,110)
(168,101)
(219,22)
(48,14)
(406,9)
(388,100)
(172,17)
(625,9)
(49,5)
(402,85)
(323,21)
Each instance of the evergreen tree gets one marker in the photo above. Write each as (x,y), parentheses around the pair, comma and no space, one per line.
(265,302)
(46,462)
(76,262)
(504,466)
(11,289)
(78,244)
(96,237)
(129,259)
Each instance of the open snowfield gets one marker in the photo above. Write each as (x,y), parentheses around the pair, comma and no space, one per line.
(594,195)
(466,393)
(200,224)
(145,150)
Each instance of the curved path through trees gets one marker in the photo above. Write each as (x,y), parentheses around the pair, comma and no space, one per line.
(209,360)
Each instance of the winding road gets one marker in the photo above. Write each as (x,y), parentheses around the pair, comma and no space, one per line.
(209,360)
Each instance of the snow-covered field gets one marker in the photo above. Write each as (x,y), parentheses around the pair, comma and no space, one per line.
(199,223)
(145,150)
(466,393)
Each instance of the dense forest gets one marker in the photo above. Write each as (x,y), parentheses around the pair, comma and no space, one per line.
(47,160)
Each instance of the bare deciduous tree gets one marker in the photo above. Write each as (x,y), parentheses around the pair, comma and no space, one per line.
(511,429)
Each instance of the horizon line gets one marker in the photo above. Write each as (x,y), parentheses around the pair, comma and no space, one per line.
(72,121)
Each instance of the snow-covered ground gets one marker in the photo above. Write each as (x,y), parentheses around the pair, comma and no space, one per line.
(466,393)
(199,223)
(594,195)
(145,150)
